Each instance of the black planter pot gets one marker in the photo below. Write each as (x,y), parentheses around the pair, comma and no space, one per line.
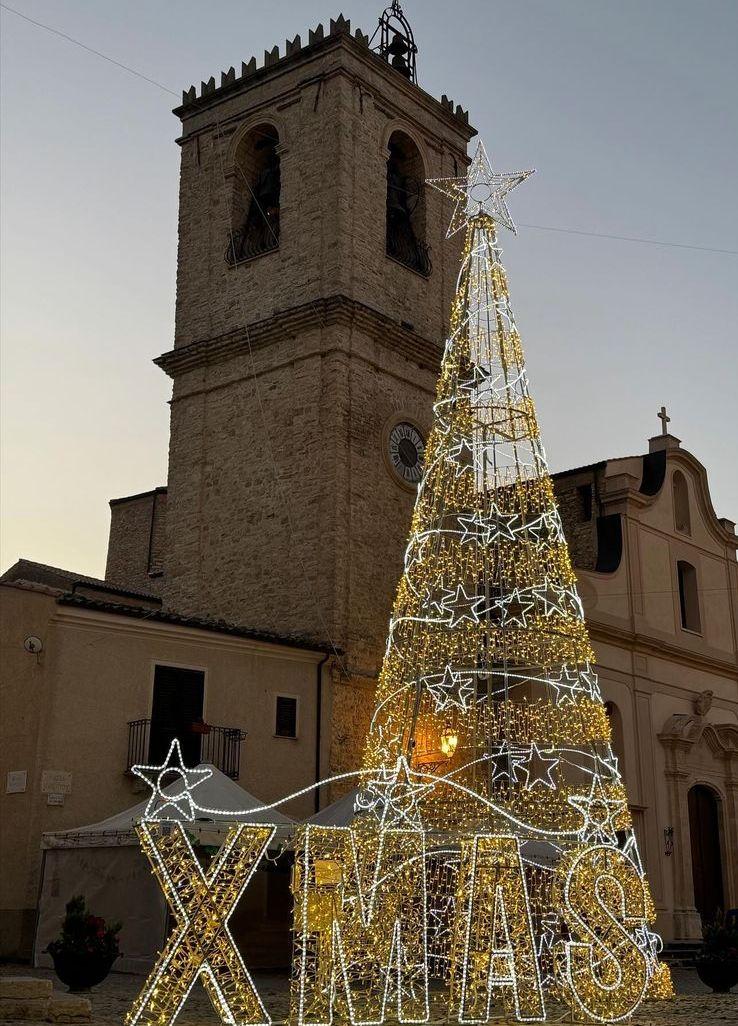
(81,972)
(719,974)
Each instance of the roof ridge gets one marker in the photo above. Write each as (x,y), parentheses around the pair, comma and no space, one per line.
(22,567)
(200,623)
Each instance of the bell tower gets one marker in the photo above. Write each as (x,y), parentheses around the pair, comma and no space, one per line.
(313,289)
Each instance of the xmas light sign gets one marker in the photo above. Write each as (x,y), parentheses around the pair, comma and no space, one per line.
(377,928)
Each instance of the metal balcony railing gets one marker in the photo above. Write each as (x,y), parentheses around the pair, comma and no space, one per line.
(259,235)
(407,250)
(149,742)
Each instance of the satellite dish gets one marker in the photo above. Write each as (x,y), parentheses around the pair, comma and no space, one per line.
(33,644)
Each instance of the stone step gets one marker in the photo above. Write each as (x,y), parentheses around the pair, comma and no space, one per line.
(24,987)
(34,1008)
(681,954)
(69,1008)
(29,999)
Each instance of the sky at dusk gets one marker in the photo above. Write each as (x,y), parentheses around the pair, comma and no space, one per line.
(627,109)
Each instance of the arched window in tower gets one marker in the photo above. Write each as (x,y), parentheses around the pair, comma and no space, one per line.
(406,205)
(256,196)
(680,496)
(689,600)
(618,737)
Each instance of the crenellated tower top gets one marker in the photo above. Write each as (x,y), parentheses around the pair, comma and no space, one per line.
(395,47)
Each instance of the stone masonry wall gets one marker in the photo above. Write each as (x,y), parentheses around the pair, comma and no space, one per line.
(581,534)
(278,443)
(334,114)
(136,542)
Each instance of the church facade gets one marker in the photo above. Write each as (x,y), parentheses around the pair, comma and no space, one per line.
(313,293)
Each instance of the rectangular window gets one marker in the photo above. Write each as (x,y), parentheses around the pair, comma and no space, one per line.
(689,602)
(285,719)
(585,501)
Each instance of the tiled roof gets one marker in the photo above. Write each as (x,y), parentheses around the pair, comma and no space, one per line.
(198,623)
(579,470)
(56,577)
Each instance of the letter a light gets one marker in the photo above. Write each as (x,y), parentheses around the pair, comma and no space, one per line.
(495,932)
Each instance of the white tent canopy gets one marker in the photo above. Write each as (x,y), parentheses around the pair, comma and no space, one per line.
(231,802)
(342,812)
(339,813)
(104,863)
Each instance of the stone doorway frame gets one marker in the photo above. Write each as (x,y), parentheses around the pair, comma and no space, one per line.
(680,736)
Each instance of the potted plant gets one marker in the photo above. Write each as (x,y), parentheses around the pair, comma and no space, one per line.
(717,962)
(84,953)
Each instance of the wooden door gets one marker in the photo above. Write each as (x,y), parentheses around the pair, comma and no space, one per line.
(707,867)
(177,705)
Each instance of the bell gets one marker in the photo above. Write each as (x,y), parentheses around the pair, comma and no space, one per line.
(398,48)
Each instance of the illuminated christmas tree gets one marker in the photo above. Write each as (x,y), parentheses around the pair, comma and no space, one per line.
(487,679)
(487,674)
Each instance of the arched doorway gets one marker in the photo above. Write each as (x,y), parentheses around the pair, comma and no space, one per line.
(707,867)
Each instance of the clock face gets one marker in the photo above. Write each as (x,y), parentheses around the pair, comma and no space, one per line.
(406,451)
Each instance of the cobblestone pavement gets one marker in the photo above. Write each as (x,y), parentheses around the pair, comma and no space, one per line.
(693,1006)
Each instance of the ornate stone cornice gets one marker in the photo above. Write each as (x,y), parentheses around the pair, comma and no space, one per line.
(334,310)
(682,731)
(657,647)
(722,529)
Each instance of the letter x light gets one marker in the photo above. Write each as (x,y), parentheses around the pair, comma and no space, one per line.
(202,945)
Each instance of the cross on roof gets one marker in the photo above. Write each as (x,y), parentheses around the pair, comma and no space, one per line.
(665,419)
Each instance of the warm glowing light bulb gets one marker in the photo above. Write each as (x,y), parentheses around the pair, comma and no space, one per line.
(449,741)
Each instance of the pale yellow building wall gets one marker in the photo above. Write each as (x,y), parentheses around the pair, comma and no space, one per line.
(68,710)
(652,669)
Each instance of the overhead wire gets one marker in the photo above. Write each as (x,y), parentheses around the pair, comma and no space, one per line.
(89,49)
(534,227)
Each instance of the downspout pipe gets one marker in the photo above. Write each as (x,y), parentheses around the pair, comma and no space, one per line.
(318,723)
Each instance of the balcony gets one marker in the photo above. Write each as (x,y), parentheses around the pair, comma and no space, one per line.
(201,742)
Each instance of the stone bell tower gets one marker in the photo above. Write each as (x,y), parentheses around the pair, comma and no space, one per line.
(313,290)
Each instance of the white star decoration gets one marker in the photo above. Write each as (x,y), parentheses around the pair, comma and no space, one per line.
(600,812)
(538,768)
(549,601)
(459,606)
(479,381)
(171,786)
(392,797)
(500,525)
(450,688)
(505,764)
(472,528)
(569,681)
(512,609)
(482,191)
(549,930)
(461,456)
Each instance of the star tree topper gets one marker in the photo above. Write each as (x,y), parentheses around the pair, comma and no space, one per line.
(482,191)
